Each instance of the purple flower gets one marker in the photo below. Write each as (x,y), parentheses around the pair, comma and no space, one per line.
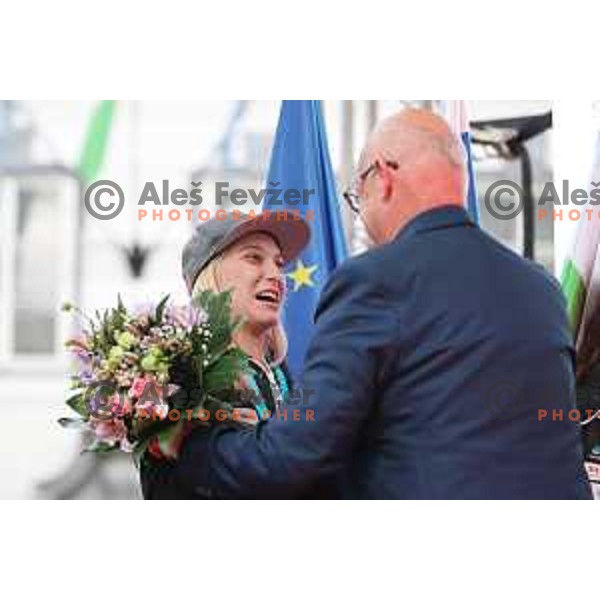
(184,317)
(86,377)
(83,356)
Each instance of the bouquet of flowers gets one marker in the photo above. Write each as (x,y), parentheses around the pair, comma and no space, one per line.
(144,379)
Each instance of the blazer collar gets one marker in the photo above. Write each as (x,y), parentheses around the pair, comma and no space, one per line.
(440,217)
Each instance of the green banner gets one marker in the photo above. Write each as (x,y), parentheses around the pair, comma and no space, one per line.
(96,141)
(574,290)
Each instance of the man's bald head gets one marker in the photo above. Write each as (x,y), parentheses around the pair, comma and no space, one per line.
(420,165)
(414,133)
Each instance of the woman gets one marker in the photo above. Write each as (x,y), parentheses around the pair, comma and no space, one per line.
(247,256)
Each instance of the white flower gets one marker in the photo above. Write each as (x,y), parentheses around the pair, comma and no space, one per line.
(126,445)
(162,410)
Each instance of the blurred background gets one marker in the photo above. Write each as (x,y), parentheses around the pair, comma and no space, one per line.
(51,250)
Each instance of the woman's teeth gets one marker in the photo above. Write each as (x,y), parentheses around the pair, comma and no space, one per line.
(271,297)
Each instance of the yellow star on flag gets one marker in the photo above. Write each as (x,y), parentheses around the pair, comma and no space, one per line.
(302,275)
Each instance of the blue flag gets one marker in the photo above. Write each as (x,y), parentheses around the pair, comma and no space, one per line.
(472,204)
(300,160)
(456,113)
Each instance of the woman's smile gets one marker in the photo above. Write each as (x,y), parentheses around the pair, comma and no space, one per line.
(253,269)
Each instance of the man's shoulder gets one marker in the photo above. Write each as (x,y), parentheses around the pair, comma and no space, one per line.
(543,275)
(354,270)
(369,266)
(359,286)
(533,272)
(366,277)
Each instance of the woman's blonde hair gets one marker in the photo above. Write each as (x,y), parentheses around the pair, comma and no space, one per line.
(208,280)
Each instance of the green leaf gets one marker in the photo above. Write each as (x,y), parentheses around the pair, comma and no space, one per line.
(68,423)
(183,400)
(143,434)
(79,405)
(225,372)
(160,309)
(217,305)
(218,310)
(138,452)
(100,447)
(167,437)
(213,404)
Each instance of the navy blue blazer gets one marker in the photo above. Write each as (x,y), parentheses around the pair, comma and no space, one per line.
(433,360)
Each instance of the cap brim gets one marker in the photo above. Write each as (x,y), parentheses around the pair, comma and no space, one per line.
(291,232)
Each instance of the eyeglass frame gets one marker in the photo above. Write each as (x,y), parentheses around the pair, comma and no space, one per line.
(351,197)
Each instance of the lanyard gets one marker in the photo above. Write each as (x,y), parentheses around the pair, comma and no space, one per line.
(279,389)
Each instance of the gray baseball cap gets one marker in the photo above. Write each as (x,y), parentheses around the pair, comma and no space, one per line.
(212,237)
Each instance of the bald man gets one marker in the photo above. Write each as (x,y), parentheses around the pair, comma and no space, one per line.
(441,364)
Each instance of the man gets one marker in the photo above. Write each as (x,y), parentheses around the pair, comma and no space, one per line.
(433,357)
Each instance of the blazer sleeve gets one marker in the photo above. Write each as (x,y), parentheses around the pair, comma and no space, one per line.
(355,327)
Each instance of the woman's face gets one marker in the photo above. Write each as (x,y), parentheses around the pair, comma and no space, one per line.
(253,269)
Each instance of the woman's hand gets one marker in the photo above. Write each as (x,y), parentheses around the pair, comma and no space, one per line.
(245,415)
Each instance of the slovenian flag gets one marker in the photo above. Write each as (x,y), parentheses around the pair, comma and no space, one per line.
(581,272)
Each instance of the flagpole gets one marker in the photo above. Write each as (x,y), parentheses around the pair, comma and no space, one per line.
(360,238)
(372,113)
(347,163)
(134,164)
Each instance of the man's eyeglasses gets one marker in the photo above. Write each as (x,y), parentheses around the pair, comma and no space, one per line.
(351,196)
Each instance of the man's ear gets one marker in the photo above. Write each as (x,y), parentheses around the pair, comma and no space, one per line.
(386,181)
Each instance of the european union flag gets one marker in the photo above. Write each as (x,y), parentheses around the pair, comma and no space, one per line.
(300,160)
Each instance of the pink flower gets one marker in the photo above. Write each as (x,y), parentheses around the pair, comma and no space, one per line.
(150,407)
(108,431)
(139,385)
(80,342)
(120,405)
